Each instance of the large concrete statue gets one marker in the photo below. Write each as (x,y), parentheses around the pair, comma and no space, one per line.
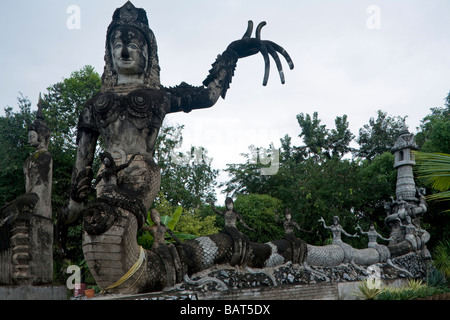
(26,251)
(131,107)
(128,114)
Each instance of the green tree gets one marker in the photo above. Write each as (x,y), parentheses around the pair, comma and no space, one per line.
(378,136)
(185,223)
(319,141)
(258,212)
(316,180)
(188,178)
(434,135)
(63,104)
(15,149)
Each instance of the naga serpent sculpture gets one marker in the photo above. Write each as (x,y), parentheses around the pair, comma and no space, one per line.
(128,114)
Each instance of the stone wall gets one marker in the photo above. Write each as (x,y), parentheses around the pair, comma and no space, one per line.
(33,293)
(319,291)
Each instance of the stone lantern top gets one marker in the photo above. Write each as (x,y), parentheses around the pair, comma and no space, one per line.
(405,140)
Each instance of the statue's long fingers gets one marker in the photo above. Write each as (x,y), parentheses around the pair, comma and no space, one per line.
(277,60)
(283,52)
(249,31)
(258,30)
(266,63)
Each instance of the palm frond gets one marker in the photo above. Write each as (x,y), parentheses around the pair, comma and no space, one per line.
(434,170)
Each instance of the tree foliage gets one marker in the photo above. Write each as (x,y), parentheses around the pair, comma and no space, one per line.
(188,178)
(319,141)
(258,212)
(15,149)
(378,136)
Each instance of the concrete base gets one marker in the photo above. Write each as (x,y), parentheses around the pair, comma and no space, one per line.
(320,291)
(33,293)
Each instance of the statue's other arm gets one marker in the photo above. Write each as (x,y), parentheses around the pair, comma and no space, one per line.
(243,223)
(213,207)
(323,223)
(349,235)
(361,230)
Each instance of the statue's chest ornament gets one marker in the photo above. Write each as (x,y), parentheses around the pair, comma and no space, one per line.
(143,108)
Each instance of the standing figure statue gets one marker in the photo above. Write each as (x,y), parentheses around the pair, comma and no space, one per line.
(411,234)
(132,104)
(108,173)
(299,247)
(373,235)
(127,115)
(171,259)
(383,251)
(240,241)
(159,230)
(337,230)
(26,223)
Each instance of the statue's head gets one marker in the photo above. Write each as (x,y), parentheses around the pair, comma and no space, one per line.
(229,204)
(131,50)
(38,132)
(335,220)
(107,159)
(287,214)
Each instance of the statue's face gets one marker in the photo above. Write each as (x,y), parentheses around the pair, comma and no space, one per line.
(129,51)
(229,204)
(33,138)
(107,162)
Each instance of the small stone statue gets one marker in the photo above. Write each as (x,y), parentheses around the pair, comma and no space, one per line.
(299,249)
(411,235)
(383,251)
(337,230)
(163,249)
(240,240)
(230,215)
(373,235)
(27,220)
(158,230)
(108,177)
(38,167)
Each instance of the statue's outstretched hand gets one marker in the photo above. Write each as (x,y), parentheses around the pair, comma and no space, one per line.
(248,46)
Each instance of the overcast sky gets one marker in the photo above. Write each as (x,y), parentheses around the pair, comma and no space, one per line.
(351,57)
